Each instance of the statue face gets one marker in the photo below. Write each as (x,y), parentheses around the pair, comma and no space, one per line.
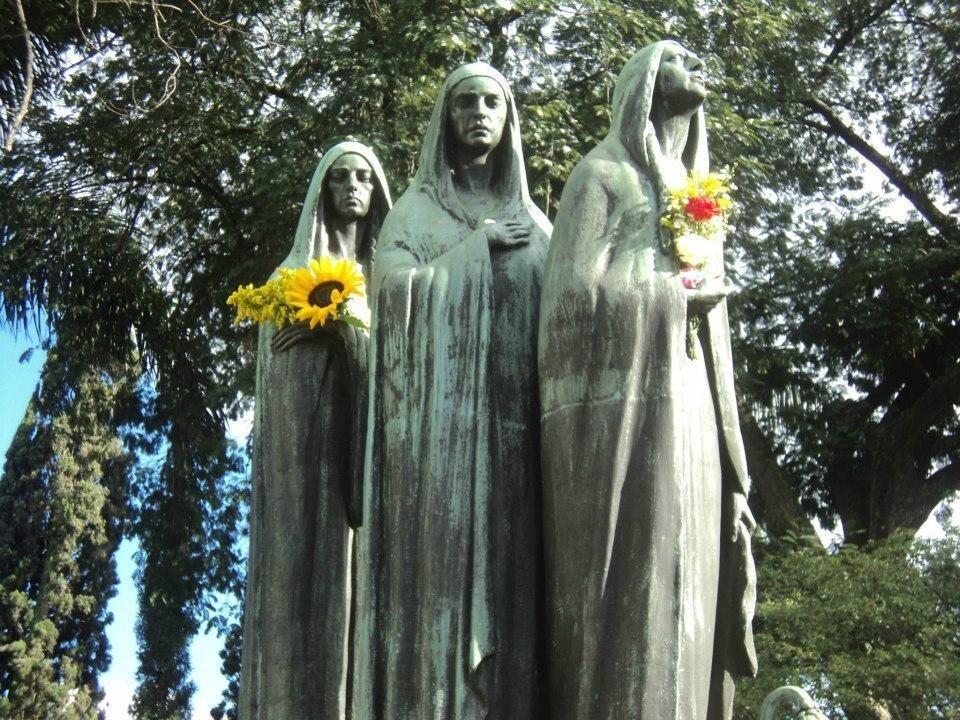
(680,79)
(478,111)
(350,180)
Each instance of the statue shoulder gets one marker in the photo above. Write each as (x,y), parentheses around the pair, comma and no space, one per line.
(605,172)
(401,218)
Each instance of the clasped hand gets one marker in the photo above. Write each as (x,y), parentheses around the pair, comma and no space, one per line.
(503,236)
(287,337)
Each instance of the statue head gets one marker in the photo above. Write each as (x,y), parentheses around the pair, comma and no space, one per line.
(348,184)
(679,83)
(476,114)
(349,187)
(662,73)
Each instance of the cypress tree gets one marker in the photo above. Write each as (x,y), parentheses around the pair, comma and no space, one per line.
(63,504)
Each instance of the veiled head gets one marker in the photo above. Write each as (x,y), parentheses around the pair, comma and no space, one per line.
(680,81)
(661,70)
(485,94)
(350,186)
(350,182)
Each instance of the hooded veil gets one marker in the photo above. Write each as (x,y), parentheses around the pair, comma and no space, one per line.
(649,597)
(450,555)
(312,238)
(308,443)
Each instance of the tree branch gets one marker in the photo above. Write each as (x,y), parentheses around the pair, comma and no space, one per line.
(776,502)
(946,478)
(27,77)
(901,496)
(926,495)
(850,33)
(931,406)
(923,204)
(911,371)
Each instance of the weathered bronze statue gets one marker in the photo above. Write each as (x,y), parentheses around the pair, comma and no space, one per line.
(309,430)
(451,545)
(650,580)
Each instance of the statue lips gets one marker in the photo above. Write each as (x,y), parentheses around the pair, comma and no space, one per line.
(351,203)
(480,129)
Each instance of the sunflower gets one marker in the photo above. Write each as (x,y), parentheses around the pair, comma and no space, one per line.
(319,289)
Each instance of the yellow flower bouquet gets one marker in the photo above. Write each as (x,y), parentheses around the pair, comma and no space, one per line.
(700,206)
(313,294)
(696,214)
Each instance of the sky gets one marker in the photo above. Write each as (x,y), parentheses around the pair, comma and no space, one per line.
(17,382)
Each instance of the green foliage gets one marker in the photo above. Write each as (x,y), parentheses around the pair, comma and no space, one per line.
(168,165)
(862,628)
(231,656)
(64,498)
(850,323)
(180,561)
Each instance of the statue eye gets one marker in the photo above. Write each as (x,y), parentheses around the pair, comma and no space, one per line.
(363,176)
(493,101)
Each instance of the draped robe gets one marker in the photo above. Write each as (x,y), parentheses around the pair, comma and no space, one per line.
(308,444)
(451,547)
(649,597)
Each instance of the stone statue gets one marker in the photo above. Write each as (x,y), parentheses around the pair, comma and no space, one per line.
(308,443)
(789,695)
(451,546)
(650,582)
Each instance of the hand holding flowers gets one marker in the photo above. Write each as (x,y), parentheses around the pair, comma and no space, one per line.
(696,214)
(321,291)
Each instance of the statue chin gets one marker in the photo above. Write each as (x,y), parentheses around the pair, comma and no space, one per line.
(686,99)
(351,213)
(476,148)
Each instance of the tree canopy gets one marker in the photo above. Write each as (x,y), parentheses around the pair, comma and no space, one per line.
(163,154)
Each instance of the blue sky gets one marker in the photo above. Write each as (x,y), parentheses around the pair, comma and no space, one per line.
(17,382)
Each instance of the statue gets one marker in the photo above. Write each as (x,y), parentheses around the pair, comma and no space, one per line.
(308,443)
(450,556)
(650,585)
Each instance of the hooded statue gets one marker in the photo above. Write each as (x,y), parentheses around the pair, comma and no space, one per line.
(450,554)
(308,442)
(650,584)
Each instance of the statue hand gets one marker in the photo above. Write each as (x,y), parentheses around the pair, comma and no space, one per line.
(704,298)
(289,336)
(743,521)
(503,236)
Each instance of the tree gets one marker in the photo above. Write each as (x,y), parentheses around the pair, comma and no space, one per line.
(168,165)
(870,631)
(851,317)
(63,507)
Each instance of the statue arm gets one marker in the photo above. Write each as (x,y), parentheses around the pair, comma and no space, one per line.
(354,348)
(582,221)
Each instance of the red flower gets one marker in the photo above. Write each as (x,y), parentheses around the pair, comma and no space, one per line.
(702,208)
